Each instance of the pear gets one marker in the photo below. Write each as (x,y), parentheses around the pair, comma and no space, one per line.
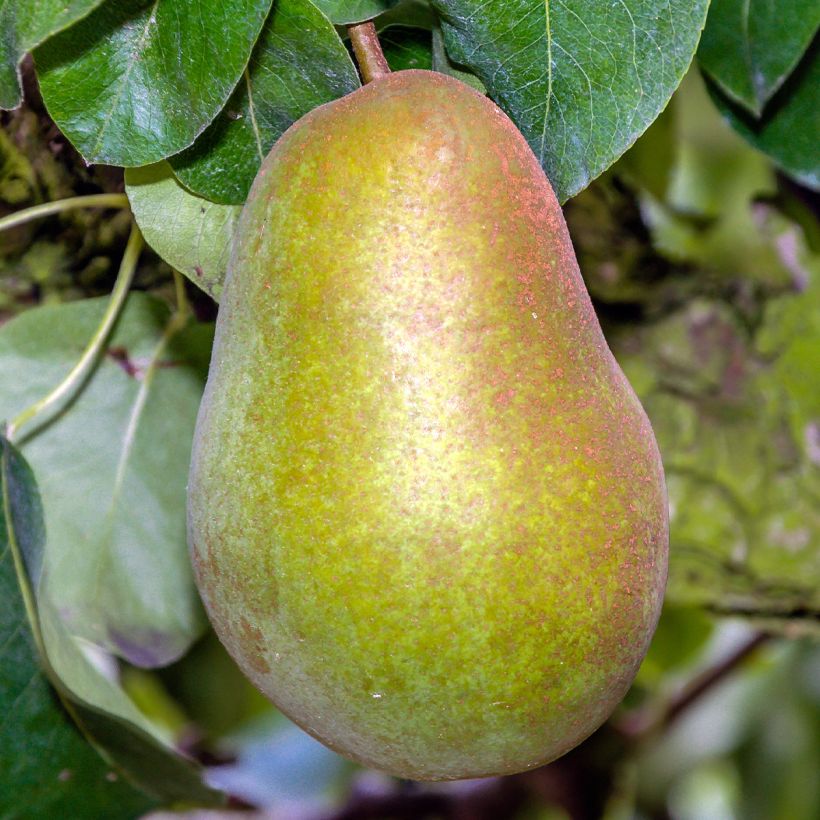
(427,513)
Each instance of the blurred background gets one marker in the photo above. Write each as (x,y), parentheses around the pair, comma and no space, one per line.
(703,261)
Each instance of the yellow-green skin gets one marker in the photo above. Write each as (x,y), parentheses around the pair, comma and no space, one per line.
(427,513)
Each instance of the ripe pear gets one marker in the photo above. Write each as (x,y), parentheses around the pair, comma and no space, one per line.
(427,513)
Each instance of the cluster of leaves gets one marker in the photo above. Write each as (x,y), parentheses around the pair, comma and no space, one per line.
(188,96)
(763,64)
(725,276)
(581,84)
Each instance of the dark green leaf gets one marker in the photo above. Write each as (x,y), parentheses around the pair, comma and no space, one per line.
(581,79)
(443,64)
(48,768)
(407,48)
(340,12)
(25,24)
(789,130)
(410,13)
(113,470)
(750,47)
(193,235)
(298,64)
(135,82)
(112,722)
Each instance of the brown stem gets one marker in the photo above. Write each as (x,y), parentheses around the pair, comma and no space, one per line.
(641,725)
(368,51)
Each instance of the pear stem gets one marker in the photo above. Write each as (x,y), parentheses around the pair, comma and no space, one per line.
(92,351)
(368,51)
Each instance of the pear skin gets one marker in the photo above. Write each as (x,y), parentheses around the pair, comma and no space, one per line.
(427,513)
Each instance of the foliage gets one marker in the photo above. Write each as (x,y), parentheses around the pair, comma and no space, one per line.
(728,377)
(696,243)
(114,85)
(298,63)
(127,742)
(191,233)
(765,43)
(120,577)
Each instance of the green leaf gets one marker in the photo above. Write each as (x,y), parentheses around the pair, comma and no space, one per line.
(192,235)
(340,12)
(750,47)
(113,469)
(298,64)
(713,182)
(443,64)
(407,48)
(49,768)
(25,24)
(648,163)
(135,82)
(410,13)
(582,79)
(789,129)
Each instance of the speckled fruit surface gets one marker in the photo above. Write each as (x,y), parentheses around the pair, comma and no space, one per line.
(427,513)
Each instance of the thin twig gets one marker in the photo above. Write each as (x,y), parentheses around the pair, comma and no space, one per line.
(648,722)
(60,205)
(89,357)
(368,51)
(183,305)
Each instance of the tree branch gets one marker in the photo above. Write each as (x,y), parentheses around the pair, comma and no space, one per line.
(647,722)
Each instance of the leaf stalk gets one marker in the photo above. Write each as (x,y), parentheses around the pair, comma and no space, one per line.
(60,205)
(86,362)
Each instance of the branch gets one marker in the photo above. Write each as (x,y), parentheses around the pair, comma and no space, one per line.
(368,51)
(647,722)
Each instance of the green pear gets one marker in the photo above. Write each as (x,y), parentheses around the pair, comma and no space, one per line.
(427,513)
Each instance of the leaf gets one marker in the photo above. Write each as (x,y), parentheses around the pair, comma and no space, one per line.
(582,79)
(410,13)
(407,48)
(648,163)
(49,769)
(113,469)
(192,235)
(443,64)
(714,180)
(298,64)
(340,12)
(137,81)
(789,129)
(750,47)
(25,24)
(779,780)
